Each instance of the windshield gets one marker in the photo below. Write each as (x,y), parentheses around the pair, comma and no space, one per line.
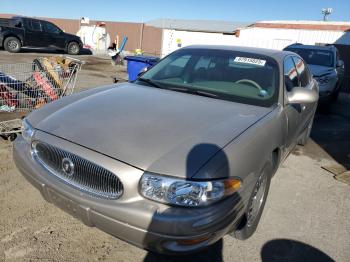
(229,75)
(314,56)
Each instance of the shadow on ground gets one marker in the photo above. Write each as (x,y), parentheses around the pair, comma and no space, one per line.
(212,254)
(286,250)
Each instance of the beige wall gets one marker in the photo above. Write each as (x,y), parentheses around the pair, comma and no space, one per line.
(151,37)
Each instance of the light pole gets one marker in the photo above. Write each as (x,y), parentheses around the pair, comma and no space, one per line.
(326,12)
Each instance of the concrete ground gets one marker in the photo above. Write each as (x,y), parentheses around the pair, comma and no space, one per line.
(306,217)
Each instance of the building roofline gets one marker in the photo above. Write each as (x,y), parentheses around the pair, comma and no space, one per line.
(306,25)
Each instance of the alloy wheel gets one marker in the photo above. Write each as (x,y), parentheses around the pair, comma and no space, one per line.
(257,199)
(13,45)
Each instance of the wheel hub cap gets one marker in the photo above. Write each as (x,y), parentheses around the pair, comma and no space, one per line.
(257,199)
(73,48)
(13,45)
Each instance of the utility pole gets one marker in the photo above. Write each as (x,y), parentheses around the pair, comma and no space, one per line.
(141,34)
(326,12)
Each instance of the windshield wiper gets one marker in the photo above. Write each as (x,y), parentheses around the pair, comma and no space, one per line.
(193,91)
(150,82)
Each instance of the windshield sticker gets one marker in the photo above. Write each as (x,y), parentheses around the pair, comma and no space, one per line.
(252,61)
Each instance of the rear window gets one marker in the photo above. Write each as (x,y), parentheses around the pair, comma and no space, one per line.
(236,76)
(314,56)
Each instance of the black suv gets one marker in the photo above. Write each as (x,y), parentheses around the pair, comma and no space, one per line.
(18,32)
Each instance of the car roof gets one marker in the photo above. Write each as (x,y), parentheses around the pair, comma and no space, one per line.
(278,55)
(28,18)
(318,47)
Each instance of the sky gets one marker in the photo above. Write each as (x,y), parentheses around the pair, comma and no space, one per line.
(141,10)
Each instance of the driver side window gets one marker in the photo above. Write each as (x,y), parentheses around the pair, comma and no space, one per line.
(290,74)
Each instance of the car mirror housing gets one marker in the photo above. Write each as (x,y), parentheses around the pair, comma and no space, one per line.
(301,95)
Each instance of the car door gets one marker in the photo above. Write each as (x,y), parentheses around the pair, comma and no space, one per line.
(292,112)
(34,34)
(305,81)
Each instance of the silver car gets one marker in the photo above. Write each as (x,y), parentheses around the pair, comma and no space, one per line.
(180,157)
(326,67)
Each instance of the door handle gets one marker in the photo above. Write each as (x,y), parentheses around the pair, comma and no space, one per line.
(303,107)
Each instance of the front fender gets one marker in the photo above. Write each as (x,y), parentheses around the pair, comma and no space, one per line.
(249,152)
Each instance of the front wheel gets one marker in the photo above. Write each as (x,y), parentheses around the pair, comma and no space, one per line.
(256,205)
(73,48)
(12,45)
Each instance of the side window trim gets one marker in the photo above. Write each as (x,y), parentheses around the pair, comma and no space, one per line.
(285,91)
(284,62)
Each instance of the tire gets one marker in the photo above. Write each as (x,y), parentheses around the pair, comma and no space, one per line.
(335,95)
(305,137)
(12,44)
(73,48)
(251,219)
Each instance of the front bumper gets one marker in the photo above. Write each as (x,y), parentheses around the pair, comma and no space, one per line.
(143,223)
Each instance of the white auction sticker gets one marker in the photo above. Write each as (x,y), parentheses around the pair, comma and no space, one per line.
(252,61)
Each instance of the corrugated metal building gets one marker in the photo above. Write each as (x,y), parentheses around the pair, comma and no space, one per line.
(278,34)
(178,33)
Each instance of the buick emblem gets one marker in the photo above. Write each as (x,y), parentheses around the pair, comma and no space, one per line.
(68,167)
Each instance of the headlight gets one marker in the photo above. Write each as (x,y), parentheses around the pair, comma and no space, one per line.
(27,131)
(182,192)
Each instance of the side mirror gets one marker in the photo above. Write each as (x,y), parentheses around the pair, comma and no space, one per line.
(300,95)
(143,70)
(340,63)
(18,24)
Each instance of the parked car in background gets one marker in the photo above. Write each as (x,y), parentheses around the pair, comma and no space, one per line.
(177,159)
(326,67)
(19,32)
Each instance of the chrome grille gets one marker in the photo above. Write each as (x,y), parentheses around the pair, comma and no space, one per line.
(78,172)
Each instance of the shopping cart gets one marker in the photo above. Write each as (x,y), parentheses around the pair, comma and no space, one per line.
(28,86)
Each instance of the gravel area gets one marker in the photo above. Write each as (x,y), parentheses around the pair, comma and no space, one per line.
(306,217)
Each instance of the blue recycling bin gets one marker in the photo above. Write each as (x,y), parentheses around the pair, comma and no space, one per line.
(135,64)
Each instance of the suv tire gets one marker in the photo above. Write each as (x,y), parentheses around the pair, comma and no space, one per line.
(73,48)
(12,44)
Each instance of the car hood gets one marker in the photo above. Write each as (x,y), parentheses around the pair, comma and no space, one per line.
(318,70)
(71,36)
(151,129)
